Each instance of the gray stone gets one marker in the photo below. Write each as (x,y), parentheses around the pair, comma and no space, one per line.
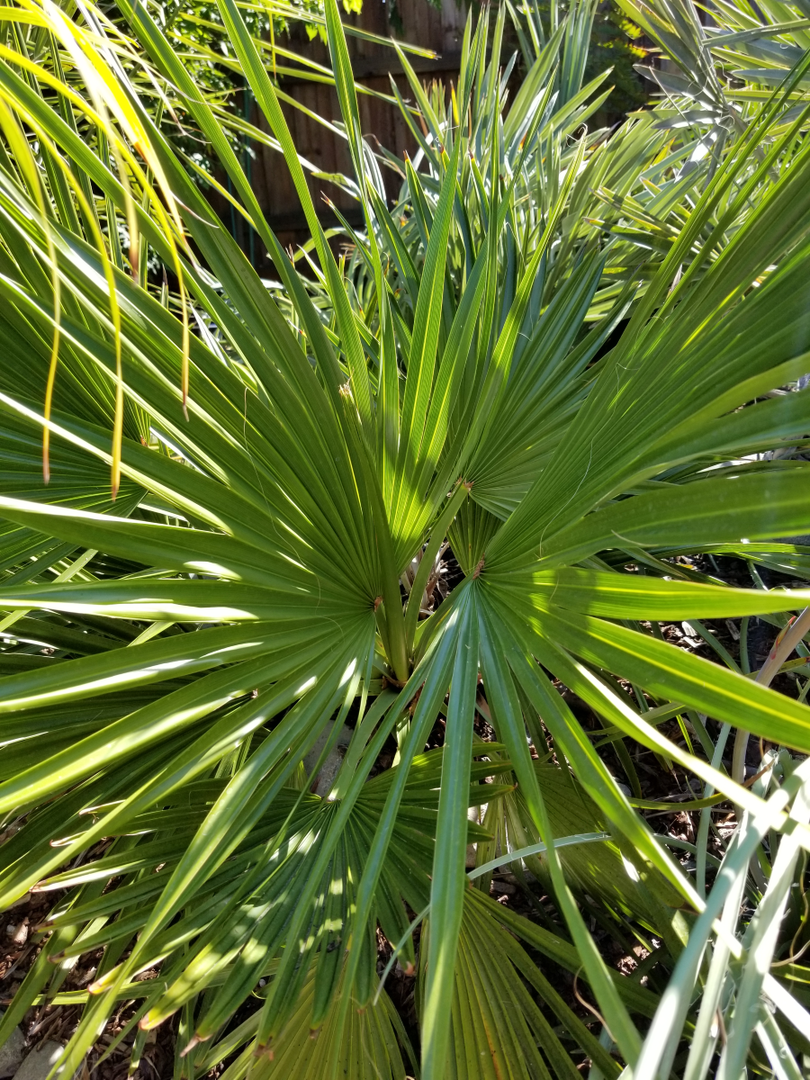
(331,766)
(11,1053)
(329,771)
(39,1062)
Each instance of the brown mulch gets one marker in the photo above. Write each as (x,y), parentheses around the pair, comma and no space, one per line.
(20,943)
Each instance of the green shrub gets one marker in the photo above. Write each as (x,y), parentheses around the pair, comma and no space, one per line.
(559,354)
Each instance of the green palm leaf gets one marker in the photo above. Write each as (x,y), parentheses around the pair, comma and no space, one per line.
(544,353)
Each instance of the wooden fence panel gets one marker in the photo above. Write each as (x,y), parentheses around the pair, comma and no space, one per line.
(421,24)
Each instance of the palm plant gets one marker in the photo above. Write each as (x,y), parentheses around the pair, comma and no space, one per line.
(545,356)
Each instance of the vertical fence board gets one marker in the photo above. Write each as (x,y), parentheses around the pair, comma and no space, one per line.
(440,30)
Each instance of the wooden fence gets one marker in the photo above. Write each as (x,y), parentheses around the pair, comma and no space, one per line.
(440,30)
